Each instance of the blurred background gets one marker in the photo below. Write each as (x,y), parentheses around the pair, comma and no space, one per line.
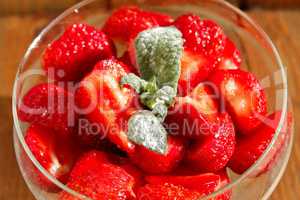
(22,20)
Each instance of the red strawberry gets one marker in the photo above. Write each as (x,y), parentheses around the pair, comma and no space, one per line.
(48,105)
(249,148)
(126,60)
(132,20)
(193,114)
(127,165)
(203,183)
(231,58)
(156,163)
(244,97)
(74,53)
(204,45)
(55,154)
(212,152)
(194,69)
(166,192)
(95,177)
(101,91)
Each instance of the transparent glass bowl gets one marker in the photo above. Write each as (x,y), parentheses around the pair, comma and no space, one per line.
(259,57)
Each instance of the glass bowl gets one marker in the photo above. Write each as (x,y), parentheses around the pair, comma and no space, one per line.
(259,57)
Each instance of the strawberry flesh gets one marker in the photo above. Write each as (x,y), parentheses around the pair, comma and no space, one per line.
(53,151)
(245,99)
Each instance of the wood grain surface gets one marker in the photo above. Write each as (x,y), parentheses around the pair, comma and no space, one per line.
(16,33)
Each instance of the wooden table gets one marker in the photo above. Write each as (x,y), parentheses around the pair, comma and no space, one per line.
(16,32)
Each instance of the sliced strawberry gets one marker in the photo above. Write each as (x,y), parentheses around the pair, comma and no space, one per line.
(204,45)
(212,152)
(95,177)
(194,69)
(244,97)
(231,58)
(48,105)
(203,183)
(156,163)
(74,53)
(193,114)
(166,192)
(249,148)
(101,92)
(53,151)
(132,20)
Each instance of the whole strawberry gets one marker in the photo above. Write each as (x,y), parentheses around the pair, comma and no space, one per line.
(49,105)
(75,52)
(95,177)
(249,148)
(212,152)
(166,192)
(204,45)
(55,153)
(243,97)
(156,163)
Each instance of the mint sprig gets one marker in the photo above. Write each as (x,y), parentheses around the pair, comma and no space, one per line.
(158,53)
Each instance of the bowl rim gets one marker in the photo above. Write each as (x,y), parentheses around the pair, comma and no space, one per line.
(81,4)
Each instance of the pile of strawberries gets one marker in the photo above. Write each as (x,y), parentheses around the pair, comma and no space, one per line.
(223,102)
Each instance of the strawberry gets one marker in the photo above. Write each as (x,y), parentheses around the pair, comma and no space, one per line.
(204,45)
(133,20)
(95,177)
(244,97)
(231,58)
(74,53)
(156,163)
(127,60)
(193,114)
(194,69)
(49,105)
(109,104)
(249,148)
(166,192)
(54,152)
(203,183)
(212,152)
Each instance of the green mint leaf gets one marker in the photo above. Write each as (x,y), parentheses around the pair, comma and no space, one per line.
(160,110)
(145,129)
(134,81)
(158,53)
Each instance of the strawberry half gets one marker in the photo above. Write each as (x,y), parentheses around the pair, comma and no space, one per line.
(53,151)
(204,184)
(132,20)
(193,114)
(48,105)
(204,45)
(74,53)
(156,163)
(95,177)
(249,148)
(212,152)
(245,99)
(166,192)
(231,58)
(109,104)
